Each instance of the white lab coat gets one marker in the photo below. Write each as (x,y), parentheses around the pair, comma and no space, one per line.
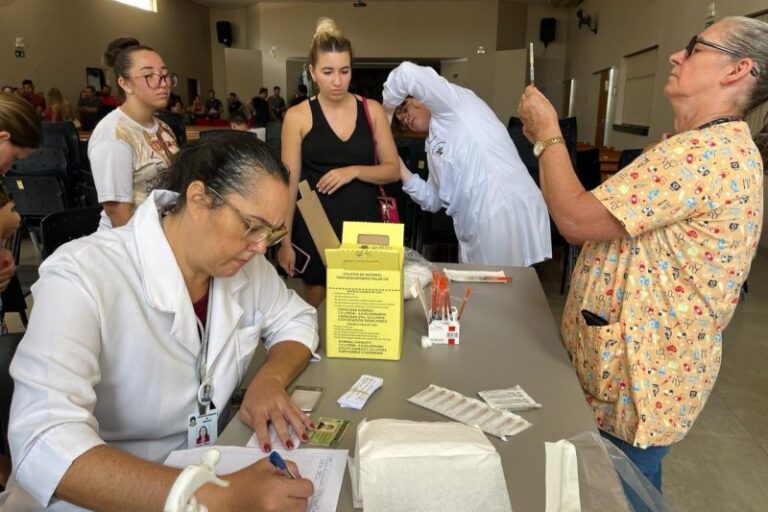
(475,173)
(109,355)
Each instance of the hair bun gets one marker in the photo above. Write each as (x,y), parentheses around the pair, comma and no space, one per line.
(115,47)
(327,27)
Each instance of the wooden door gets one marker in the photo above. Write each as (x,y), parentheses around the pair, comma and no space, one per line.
(193,89)
(602,108)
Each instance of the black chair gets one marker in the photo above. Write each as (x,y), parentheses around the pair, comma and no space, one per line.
(90,196)
(588,168)
(8,344)
(627,156)
(59,228)
(434,236)
(176,123)
(38,186)
(89,120)
(14,298)
(568,127)
(64,134)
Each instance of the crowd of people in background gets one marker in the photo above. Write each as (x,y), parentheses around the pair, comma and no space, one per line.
(94,104)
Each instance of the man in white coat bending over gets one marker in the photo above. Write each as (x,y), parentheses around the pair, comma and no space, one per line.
(475,172)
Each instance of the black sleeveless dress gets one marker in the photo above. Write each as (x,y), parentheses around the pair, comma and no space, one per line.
(322,151)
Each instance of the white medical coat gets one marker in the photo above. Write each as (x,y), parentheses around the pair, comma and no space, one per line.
(109,355)
(475,173)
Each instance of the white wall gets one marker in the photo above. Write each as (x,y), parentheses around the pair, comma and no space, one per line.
(243,72)
(414,28)
(625,27)
(237,20)
(509,82)
(63,37)
(549,62)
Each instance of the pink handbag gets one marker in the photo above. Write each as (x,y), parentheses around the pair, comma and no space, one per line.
(387,204)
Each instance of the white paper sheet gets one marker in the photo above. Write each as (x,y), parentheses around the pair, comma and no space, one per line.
(324,467)
(562,478)
(274,440)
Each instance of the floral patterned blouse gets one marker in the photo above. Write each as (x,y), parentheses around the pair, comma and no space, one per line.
(693,208)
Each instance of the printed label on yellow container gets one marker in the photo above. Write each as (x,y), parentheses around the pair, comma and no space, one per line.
(364,303)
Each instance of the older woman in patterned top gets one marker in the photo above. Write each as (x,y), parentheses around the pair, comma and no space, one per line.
(667,243)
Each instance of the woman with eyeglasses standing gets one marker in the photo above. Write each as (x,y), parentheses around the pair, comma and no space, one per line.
(667,243)
(130,149)
(140,335)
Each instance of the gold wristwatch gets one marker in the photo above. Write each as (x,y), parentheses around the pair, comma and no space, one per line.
(541,145)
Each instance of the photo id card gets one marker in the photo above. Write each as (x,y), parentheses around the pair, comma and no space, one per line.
(202,429)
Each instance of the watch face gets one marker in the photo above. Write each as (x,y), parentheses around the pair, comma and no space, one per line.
(537,149)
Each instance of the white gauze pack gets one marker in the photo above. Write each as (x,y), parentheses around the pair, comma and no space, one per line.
(427,466)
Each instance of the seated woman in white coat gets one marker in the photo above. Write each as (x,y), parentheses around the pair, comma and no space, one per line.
(475,172)
(139,336)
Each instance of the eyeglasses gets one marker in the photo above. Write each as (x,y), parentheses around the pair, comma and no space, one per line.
(402,111)
(698,40)
(255,231)
(155,81)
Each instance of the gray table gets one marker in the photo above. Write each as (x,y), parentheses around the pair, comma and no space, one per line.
(508,337)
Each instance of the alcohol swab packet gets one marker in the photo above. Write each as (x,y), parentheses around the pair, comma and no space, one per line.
(509,399)
(360,391)
(470,411)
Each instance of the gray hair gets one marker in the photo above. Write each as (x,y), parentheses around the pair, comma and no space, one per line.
(749,37)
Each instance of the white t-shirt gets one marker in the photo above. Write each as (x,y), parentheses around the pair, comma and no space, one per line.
(128,160)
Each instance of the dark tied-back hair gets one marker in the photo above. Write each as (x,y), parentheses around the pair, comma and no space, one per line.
(229,163)
(118,56)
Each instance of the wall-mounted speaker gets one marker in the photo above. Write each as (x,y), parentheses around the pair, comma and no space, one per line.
(547,29)
(224,33)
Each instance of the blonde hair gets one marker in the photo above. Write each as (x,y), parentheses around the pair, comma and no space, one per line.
(20,119)
(55,95)
(328,38)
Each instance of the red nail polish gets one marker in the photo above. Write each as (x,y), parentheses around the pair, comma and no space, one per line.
(312,426)
(304,437)
(289,444)
(267,448)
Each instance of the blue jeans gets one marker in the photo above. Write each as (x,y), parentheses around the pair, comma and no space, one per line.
(647,460)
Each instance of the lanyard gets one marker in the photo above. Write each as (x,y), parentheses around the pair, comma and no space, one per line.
(205,383)
(720,120)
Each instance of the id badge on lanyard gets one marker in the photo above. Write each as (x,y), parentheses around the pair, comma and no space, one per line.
(203,424)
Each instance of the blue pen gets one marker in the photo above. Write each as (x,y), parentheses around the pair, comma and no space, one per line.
(280,464)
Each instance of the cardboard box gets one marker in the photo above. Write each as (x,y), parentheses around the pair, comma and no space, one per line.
(364,304)
(316,220)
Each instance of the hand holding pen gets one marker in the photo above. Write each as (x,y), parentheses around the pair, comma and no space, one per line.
(259,487)
(280,464)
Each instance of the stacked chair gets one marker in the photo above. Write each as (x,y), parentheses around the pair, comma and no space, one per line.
(53,179)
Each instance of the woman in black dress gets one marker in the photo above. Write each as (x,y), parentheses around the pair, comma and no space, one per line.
(328,142)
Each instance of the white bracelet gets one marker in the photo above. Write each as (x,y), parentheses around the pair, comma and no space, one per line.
(181,498)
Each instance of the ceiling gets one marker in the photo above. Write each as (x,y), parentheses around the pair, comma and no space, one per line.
(241,3)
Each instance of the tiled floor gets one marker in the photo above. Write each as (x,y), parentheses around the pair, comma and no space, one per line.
(723,463)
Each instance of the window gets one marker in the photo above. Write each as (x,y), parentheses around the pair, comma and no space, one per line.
(638,72)
(147,5)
